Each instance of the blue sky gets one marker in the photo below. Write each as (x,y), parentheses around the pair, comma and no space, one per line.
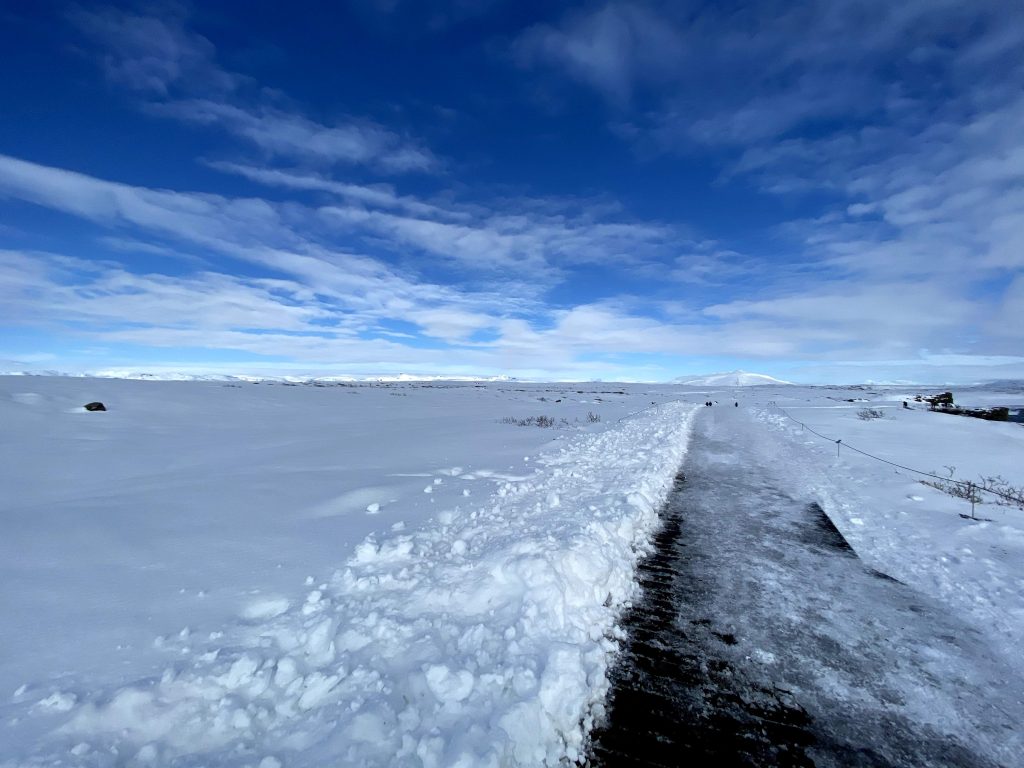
(826,191)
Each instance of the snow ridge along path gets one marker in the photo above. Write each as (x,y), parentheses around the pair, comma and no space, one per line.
(481,640)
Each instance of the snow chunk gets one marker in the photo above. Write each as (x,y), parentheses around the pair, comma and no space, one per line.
(240,672)
(265,608)
(448,686)
(57,702)
(317,689)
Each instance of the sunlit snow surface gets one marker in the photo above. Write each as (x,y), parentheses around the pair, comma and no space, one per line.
(370,575)
(265,574)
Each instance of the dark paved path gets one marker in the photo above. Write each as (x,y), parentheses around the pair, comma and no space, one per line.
(761,639)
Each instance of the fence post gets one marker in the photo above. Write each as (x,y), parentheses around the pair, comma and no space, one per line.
(970,492)
(839,444)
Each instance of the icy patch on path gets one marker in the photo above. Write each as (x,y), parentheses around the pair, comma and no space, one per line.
(481,640)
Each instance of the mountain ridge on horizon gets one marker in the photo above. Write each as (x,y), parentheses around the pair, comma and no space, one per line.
(736,378)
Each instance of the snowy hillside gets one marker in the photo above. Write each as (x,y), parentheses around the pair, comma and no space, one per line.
(731,379)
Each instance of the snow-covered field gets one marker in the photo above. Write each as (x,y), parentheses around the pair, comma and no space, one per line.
(377,574)
(387,574)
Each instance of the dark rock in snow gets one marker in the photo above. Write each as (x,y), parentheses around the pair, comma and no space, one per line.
(97,406)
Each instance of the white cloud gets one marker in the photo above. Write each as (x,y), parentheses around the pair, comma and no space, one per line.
(1007,322)
(945,203)
(925,234)
(42,287)
(290,320)
(377,195)
(517,236)
(253,231)
(610,48)
(176,70)
(153,55)
(450,324)
(288,135)
(528,245)
(332,302)
(912,114)
(740,75)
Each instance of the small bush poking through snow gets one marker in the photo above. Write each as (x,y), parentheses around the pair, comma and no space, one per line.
(592,417)
(867,414)
(1000,490)
(530,421)
(956,489)
(1010,495)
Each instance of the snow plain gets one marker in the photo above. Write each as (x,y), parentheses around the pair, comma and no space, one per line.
(284,575)
(259,574)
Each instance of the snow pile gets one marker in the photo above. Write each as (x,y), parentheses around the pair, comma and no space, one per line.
(482,639)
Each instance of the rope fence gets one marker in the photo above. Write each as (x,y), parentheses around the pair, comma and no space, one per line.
(651,407)
(969,485)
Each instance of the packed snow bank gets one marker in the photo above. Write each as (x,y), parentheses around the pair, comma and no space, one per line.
(480,638)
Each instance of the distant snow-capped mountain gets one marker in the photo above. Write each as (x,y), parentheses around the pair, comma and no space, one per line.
(731,379)
(170,375)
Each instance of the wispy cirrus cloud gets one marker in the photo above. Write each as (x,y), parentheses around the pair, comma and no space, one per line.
(894,127)
(376,195)
(337,300)
(541,237)
(110,297)
(153,54)
(248,230)
(738,75)
(615,48)
(358,290)
(537,246)
(289,135)
(904,115)
(525,250)
(175,71)
(945,203)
